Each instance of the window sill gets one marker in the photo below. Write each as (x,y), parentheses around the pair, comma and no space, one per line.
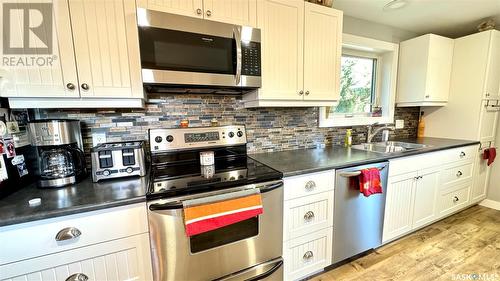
(338,121)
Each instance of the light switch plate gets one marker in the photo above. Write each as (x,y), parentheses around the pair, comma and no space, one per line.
(98,138)
(400,124)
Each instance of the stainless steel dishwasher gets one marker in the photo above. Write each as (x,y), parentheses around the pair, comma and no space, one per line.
(357,220)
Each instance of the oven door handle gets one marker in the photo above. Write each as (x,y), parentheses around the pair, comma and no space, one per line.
(246,274)
(237,37)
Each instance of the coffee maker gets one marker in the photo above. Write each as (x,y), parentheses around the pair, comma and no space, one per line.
(60,151)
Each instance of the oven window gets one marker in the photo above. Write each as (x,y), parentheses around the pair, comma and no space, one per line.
(184,51)
(225,235)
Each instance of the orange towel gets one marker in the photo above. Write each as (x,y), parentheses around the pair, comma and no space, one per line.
(369,182)
(206,214)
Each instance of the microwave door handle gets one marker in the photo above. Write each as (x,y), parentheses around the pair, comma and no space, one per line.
(237,37)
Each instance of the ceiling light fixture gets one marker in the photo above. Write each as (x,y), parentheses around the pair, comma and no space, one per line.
(394,5)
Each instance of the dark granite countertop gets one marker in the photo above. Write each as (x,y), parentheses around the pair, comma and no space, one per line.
(81,197)
(296,162)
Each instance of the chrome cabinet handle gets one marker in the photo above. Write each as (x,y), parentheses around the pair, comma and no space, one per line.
(427,96)
(70,86)
(78,277)
(309,216)
(459,173)
(85,86)
(68,233)
(462,154)
(209,13)
(301,93)
(310,185)
(199,11)
(308,255)
(487,94)
(456,199)
(307,93)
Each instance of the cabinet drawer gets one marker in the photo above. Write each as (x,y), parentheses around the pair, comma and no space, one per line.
(307,214)
(307,254)
(418,162)
(455,200)
(118,260)
(38,238)
(313,183)
(454,175)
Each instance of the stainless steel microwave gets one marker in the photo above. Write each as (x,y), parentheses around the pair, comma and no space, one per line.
(179,51)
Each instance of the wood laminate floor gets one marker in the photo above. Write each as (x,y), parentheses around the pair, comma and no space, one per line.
(465,246)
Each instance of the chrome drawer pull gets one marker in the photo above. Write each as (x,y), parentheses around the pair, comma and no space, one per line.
(308,255)
(456,199)
(459,173)
(310,185)
(78,277)
(462,154)
(68,233)
(309,216)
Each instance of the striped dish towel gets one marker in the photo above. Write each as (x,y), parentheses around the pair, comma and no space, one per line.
(209,213)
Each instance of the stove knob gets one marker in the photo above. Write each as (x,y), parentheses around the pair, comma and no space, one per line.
(106,173)
(231,134)
(129,170)
(158,139)
(239,134)
(170,138)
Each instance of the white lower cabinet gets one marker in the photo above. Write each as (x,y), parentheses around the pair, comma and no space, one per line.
(308,254)
(122,259)
(424,188)
(308,223)
(111,244)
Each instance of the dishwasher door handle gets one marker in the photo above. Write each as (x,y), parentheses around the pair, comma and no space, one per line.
(355,173)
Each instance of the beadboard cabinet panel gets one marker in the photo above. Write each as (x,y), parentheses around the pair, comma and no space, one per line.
(50,80)
(106,48)
(322,52)
(191,8)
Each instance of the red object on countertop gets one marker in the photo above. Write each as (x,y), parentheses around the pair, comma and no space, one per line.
(369,182)
(490,154)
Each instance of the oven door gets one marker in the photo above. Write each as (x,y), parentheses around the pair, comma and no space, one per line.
(237,248)
(179,50)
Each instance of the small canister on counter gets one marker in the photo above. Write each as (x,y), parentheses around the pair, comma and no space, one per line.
(207,158)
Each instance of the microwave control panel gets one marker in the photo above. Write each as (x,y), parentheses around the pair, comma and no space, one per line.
(250,52)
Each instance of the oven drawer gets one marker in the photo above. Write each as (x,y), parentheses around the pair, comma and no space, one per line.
(454,200)
(313,183)
(38,238)
(307,254)
(455,174)
(307,214)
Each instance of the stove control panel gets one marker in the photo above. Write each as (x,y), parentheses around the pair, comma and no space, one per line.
(162,140)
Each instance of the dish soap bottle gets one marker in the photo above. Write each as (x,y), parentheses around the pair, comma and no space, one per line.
(348,138)
(421,126)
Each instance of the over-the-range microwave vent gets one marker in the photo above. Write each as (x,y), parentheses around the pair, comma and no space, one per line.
(182,89)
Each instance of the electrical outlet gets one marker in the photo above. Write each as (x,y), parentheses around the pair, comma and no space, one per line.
(98,138)
(400,124)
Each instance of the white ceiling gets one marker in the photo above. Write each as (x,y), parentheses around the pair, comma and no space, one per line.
(452,18)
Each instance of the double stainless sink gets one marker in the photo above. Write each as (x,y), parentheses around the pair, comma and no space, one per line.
(389,147)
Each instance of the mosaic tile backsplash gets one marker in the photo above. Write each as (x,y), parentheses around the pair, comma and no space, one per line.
(268,129)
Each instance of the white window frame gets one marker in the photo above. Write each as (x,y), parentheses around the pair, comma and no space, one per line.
(386,78)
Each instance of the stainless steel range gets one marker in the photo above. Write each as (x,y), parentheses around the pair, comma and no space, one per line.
(247,250)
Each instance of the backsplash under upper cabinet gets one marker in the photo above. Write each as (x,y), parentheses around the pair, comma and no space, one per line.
(268,129)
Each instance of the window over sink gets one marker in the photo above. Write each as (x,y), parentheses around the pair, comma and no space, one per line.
(367,84)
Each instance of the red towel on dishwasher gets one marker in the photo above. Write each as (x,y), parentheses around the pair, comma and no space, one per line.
(490,154)
(369,182)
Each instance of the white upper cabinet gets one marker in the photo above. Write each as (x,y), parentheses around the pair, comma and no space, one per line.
(106,48)
(322,50)
(192,8)
(301,50)
(492,84)
(424,72)
(55,79)
(242,12)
